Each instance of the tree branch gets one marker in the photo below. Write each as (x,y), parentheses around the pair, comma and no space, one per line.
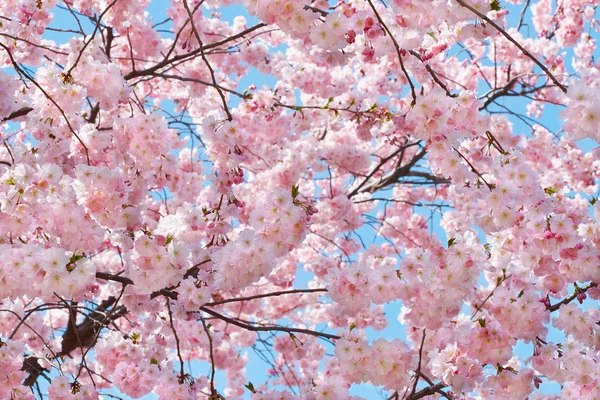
(572,296)
(513,41)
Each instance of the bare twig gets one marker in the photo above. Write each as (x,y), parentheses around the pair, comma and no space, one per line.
(261,296)
(177,343)
(513,41)
(572,296)
(210,69)
(213,391)
(268,328)
(418,371)
(398,52)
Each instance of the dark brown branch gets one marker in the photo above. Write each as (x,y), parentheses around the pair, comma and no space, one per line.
(269,328)
(110,36)
(418,371)
(513,41)
(440,391)
(572,296)
(21,112)
(433,74)
(383,161)
(177,343)
(93,114)
(489,186)
(164,63)
(428,391)
(393,176)
(213,391)
(499,93)
(114,278)
(398,52)
(500,282)
(96,28)
(261,296)
(83,335)
(210,68)
(20,71)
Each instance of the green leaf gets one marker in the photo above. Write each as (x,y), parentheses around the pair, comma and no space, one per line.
(76,257)
(153,361)
(495,5)
(169,239)
(481,322)
(295,191)
(352,326)
(550,191)
(10,181)
(593,200)
(451,241)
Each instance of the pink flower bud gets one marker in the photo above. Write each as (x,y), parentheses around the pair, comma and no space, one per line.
(160,240)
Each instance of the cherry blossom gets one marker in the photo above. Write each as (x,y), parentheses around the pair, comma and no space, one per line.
(277,186)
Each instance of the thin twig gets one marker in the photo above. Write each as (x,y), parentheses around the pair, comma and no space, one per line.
(399,52)
(418,371)
(267,328)
(513,41)
(572,296)
(213,392)
(260,296)
(210,69)
(181,364)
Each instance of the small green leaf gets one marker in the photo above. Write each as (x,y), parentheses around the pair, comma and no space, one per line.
(352,326)
(76,257)
(10,181)
(593,200)
(153,361)
(295,191)
(481,322)
(495,5)
(550,191)
(451,241)
(169,239)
